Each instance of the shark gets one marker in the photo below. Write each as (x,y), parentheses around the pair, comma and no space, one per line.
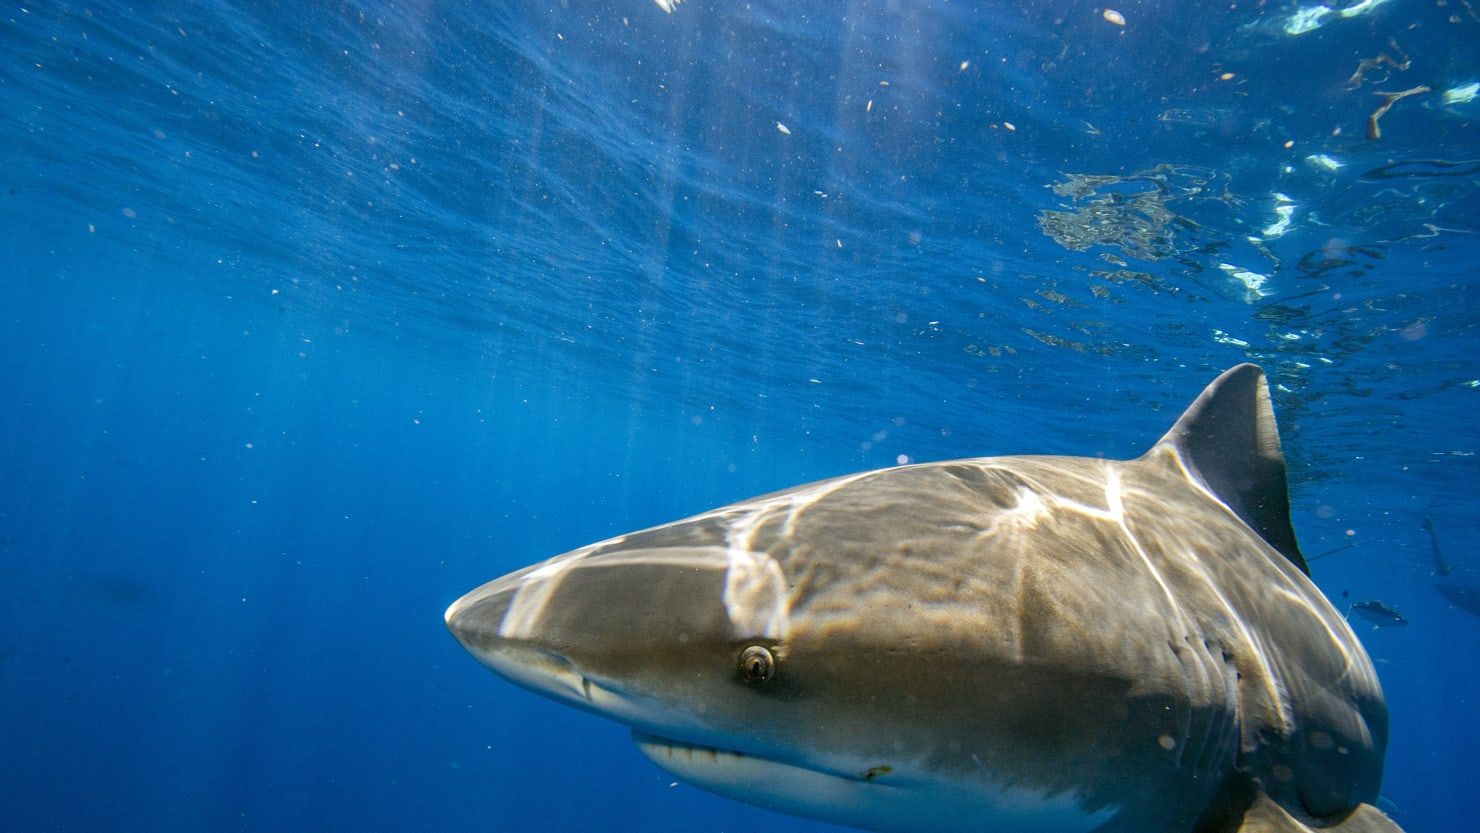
(989,645)
(1461,592)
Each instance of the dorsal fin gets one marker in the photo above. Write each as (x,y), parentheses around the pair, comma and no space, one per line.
(1228,439)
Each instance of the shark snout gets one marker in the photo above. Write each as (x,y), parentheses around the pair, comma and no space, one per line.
(477,618)
(636,632)
(481,622)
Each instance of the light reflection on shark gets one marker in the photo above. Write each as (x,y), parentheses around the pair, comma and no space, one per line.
(1050,644)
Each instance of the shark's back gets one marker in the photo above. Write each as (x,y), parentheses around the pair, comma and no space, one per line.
(1149,585)
(1165,646)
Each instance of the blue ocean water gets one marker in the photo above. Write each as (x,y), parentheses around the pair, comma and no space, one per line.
(318,315)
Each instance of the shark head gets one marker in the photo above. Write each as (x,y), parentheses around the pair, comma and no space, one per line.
(687,634)
(647,634)
(1054,644)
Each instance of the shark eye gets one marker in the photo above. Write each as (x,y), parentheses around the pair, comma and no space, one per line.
(756,664)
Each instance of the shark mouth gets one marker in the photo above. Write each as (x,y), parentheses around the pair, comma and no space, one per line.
(701,763)
(863,798)
(656,746)
(878,797)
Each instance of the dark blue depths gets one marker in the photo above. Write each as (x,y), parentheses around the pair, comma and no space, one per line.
(317,315)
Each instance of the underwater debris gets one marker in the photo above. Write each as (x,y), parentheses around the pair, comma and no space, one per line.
(1129,212)
(1374,132)
(1382,59)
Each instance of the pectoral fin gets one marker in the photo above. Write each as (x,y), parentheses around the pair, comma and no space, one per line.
(1265,816)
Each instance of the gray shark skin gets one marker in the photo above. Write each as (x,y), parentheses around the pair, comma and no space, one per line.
(992,645)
